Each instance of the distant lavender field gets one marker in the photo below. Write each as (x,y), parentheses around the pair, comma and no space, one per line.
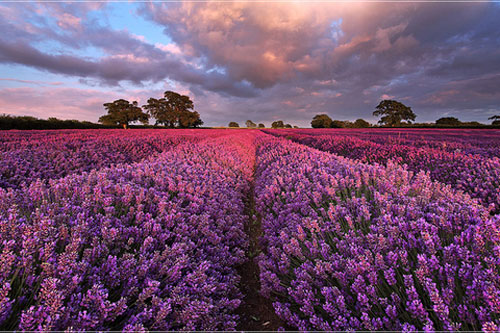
(134,230)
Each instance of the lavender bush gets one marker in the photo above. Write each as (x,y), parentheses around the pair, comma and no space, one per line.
(144,230)
(30,155)
(351,246)
(470,141)
(474,174)
(151,245)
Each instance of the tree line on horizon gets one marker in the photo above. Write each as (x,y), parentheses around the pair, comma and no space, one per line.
(8,122)
(176,111)
(251,124)
(394,114)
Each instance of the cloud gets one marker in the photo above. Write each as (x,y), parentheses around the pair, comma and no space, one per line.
(40,83)
(466,93)
(276,60)
(64,103)
(262,44)
(70,22)
(119,67)
(127,57)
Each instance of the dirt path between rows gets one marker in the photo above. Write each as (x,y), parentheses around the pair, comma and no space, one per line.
(257,312)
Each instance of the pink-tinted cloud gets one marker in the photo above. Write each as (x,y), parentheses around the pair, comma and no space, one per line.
(277,60)
(64,103)
(69,22)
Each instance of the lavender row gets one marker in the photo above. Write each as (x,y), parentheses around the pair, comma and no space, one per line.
(473,174)
(472,142)
(26,156)
(468,141)
(351,246)
(152,245)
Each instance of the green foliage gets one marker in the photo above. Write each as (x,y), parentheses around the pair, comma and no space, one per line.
(451,121)
(360,123)
(393,113)
(262,125)
(278,124)
(341,124)
(173,110)
(122,112)
(190,119)
(233,124)
(157,108)
(324,121)
(250,124)
(321,121)
(288,126)
(8,122)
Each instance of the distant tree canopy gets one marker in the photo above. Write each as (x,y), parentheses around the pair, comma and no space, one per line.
(262,125)
(288,126)
(122,112)
(341,124)
(278,124)
(173,110)
(250,124)
(393,113)
(321,121)
(324,121)
(496,119)
(233,124)
(360,123)
(8,122)
(451,121)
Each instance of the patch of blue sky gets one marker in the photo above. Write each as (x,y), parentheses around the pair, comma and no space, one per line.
(335,30)
(124,16)
(55,47)
(402,79)
(217,69)
(23,76)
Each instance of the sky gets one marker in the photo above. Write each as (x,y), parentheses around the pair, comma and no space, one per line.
(252,60)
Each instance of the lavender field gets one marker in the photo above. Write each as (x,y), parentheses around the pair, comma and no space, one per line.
(133,230)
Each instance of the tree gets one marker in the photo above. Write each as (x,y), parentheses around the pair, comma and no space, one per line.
(233,124)
(393,113)
(262,125)
(295,126)
(288,126)
(450,121)
(250,124)
(339,124)
(496,120)
(122,112)
(173,110)
(278,124)
(321,121)
(360,123)
(474,123)
(190,119)
(157,108)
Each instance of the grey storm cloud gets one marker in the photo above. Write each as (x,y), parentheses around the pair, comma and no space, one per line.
(283,60)
(127,58)
(112,70)
(407,50)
